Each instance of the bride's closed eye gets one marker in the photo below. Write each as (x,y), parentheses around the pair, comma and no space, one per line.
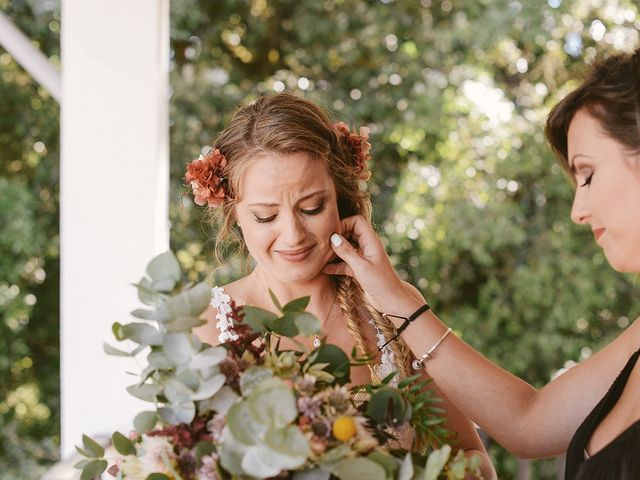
(312,211)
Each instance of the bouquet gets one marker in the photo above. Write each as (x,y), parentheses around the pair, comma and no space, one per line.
(249,409)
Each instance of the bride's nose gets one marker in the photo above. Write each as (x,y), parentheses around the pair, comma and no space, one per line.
(293,231)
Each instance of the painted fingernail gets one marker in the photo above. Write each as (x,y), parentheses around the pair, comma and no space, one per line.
(336,240)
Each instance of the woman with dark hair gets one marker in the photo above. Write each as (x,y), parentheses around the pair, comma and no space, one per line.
(592,411)
(279,179)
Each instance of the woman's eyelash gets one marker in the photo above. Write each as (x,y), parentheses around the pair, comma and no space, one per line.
(314,211)
(264,220)
(587,180)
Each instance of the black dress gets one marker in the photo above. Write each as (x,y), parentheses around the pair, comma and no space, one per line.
(618,460)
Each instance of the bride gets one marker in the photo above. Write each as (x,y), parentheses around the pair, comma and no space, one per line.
(278,182)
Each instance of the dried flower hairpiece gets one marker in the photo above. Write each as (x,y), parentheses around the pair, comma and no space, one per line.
(358,144)
(206,180)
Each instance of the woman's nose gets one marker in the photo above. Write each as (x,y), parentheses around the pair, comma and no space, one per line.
(294,232)
(579,210)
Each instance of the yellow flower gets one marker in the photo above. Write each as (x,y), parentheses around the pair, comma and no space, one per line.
(344,428)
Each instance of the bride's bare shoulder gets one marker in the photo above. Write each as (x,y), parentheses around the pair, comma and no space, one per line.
(222,295)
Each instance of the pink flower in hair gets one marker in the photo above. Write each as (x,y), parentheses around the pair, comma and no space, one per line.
(358,144)
(206,180)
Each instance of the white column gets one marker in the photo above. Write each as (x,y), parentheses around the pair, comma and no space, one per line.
(114,195)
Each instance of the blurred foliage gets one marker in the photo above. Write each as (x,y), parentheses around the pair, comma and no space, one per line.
(465,190)
(29,265)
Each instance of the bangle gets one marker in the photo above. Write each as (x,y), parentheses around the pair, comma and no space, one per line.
(405,324)
(418,363)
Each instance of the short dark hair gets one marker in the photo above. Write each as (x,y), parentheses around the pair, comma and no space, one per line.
(611,95)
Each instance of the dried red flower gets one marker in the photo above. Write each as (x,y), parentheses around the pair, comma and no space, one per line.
(358,144)
(206,179)
(185,436)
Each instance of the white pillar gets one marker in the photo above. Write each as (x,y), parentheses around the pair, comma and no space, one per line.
(114,195)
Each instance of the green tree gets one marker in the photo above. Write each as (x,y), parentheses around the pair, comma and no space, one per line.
(465,190)
(29,265)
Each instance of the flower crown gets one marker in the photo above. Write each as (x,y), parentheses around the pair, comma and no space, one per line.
(209,185)
(358,144)
(206,179)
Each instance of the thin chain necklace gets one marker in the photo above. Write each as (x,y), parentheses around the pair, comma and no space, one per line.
(316,340)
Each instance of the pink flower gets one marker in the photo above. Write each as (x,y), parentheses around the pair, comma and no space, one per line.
(358,144)
(205,176)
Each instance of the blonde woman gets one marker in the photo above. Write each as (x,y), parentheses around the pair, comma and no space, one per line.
(278,182)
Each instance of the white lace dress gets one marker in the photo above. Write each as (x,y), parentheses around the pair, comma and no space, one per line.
(222,302)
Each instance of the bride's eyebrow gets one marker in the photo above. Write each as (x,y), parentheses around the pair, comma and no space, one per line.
(271,204)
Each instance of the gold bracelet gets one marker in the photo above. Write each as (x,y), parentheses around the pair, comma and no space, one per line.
(418,363)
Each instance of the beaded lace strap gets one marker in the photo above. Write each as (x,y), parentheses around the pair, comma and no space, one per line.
(222,302)
(387,359)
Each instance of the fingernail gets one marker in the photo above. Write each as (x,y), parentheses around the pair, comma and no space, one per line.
(336,240)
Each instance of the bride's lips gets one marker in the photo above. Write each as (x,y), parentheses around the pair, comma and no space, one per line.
(297,255)
(597,232)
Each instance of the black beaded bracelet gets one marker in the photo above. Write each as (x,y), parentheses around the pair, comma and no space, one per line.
(405,324)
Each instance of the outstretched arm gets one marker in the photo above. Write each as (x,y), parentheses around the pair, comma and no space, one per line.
(528,422)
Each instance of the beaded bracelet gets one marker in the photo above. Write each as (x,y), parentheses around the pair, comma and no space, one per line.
(418,363)
(405,324)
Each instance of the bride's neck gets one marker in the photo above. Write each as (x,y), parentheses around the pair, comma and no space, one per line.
(318,288)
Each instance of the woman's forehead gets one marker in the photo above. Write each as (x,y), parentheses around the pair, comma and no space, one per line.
(296,174)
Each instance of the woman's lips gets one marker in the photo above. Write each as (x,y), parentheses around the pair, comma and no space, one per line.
(296,255)
(597,232)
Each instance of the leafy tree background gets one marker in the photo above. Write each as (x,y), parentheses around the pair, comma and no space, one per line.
(466,192)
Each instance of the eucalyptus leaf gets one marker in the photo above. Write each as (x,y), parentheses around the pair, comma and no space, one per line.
(157,476)
(275,300)
(253,465)
(144,314)
(277,405)
(289,442)
(221,402)
(314,474)
(208,357)
(145,422)
(90,445)
(93,469)
(190,303)
(386,461)
(159,361)
(178,348)
(284,326)
(146,294)
(257,318)
(307,324)
(338,362)
(251,377)
(81,464)
(231,452)
(109,350)
(406,468)
(209,388)
(182,412)
(359,468)
(296,305)
(142,333)
(164,269)
(436,462)
(387,405)
(184,324)
(147,392)
(122,444)
(243,425)
(177,392)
